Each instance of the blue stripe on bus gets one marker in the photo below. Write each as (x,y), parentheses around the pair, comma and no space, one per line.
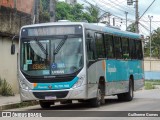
(56,86)
(117,70)
(122,33)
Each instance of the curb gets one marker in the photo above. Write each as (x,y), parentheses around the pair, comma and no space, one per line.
(18,105)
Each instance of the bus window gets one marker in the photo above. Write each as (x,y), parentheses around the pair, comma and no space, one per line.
(109,46)
(132,49)
(125,48)
(100,46)
(117,47)
(139,49)
(90,45)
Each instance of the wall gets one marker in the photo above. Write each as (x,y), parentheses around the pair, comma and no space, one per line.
(152,69)
(21,5)
(8,63)
(10,23)
(153,65)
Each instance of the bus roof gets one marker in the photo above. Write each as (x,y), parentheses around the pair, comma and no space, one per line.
(92,26)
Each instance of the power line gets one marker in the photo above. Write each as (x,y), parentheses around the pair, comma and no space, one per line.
(147,9)
(149,21)
(121,20)
(118,5)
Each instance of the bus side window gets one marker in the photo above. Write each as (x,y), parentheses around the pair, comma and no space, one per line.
(109,46)
(139,50)
(125,48)
(90,46)
(117,47)
(100,46)
(132,49)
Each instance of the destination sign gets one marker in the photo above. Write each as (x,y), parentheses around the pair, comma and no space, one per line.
(51,30)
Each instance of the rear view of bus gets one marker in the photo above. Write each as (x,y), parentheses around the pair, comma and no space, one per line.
(51,63)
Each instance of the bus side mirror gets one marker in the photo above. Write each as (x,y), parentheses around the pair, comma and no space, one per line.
(12,49)
(13,45)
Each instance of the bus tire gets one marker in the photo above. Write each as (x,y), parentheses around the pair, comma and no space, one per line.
(127,96)
(96,102)
(44,104)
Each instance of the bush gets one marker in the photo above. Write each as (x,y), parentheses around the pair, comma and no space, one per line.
(0,82)
(149,86)
(0,86)
(5,88)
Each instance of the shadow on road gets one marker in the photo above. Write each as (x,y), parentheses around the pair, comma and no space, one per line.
(80,105)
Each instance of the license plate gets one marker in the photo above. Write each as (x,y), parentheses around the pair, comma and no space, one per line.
(50,97)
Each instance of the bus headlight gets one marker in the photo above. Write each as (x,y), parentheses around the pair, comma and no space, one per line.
(24,86)
(79,82)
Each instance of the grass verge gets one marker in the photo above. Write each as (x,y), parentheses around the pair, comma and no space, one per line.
(150,84)
(18,105)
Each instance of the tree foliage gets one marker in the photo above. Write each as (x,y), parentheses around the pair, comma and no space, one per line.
(74,12)
(94,12)
(131,28)
(155,45)
(66,11)
(44,11)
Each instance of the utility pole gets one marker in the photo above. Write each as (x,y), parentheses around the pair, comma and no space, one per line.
(126,18)
(52,10)
(136,17)
(130,2)
(150,41)
(34,12)
(37,2)
(113,21)
(109,19)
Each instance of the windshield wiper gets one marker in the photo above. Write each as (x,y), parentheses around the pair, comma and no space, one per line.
(60,44)
(41,46)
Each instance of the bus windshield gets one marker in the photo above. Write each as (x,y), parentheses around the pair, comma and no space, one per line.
(51,55)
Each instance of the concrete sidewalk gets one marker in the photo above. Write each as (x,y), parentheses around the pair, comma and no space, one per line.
(10,102)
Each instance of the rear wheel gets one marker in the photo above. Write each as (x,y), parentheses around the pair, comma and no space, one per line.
(44,104)
(127,96)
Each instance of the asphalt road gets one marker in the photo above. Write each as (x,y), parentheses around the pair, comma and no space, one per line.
(144,101)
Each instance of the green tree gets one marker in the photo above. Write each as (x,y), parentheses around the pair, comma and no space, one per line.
(131,28)
(156,43)
(77,12)
(94,13)
(88,17)
(73,13)
(63,11)
(44,15)
(66,11)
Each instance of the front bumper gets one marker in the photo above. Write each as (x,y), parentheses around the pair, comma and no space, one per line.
(65,94)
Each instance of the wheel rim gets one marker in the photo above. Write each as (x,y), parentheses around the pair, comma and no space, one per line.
(131,91)
(99,96)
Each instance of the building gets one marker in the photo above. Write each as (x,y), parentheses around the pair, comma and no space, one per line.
(13,15)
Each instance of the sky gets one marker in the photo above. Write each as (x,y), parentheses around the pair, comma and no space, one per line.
(118,8)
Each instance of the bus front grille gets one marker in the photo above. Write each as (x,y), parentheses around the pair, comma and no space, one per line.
(42,95)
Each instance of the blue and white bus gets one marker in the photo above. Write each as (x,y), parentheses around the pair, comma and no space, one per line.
(65,61)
